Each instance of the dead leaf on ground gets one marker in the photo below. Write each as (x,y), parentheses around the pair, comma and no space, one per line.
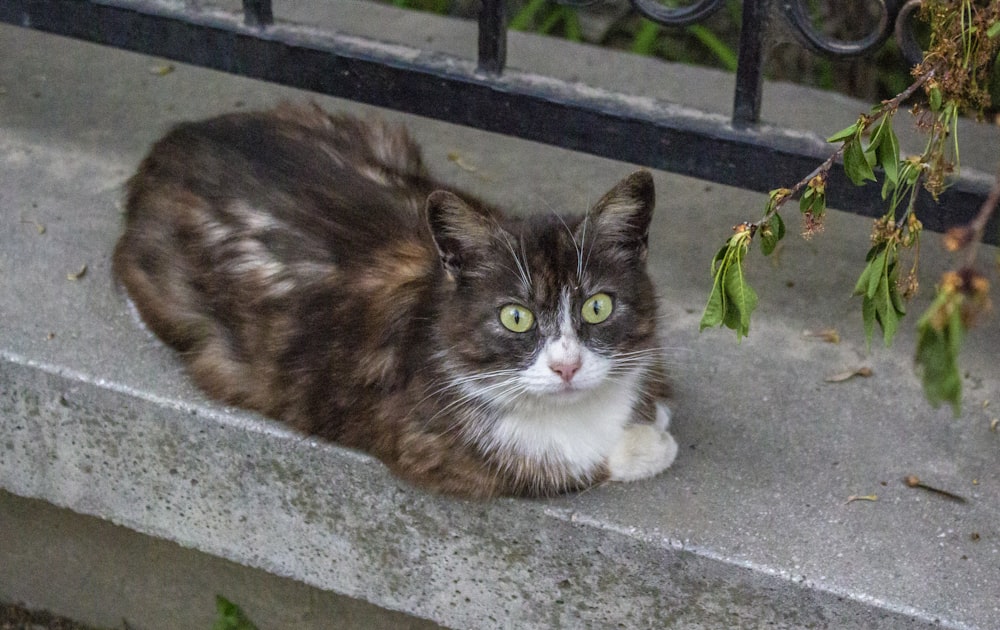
(840,377)
(827,335)
(77,275)
(162,69)
(39,227)
(861,497)
(456,157)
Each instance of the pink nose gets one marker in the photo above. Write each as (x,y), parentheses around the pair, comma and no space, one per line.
(565,369)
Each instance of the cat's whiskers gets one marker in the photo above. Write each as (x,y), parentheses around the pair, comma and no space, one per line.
(522,268)
(589,247)
(576,244)
(505,387)
(580,264)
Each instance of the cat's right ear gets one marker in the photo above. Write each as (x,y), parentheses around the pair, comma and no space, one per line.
(460,231)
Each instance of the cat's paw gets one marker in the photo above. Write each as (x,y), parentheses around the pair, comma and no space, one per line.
(663,416)
(644,450)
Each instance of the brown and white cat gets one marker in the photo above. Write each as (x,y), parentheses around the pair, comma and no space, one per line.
(306,266)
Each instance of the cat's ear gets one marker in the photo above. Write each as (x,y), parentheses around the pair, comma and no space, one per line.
(623,214)
(461,231)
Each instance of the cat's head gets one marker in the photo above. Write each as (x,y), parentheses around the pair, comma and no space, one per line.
(546,307)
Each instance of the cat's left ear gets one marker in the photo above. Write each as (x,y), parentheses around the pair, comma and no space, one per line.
(462,232)
(623,215)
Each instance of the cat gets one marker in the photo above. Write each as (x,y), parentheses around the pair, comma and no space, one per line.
(305,265)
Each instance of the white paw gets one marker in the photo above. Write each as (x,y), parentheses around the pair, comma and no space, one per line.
(663,416)
(644,450)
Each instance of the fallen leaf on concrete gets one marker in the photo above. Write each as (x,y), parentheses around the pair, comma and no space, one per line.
(39,227)
(828,335)
(460,162)
(840,377)
(162,69)
(78,274)
(993,424)
(861,497)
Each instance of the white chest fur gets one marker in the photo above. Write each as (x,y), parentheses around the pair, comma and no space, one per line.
(576,431)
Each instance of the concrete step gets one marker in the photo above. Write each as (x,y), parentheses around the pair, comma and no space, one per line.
(752,527)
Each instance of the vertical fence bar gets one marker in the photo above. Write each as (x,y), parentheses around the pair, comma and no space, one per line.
(257,13)
(750,65)
(493,36)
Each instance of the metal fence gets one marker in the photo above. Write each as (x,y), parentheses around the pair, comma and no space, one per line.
(482,93)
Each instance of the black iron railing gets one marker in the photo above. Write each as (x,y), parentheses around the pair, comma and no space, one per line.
(739,151)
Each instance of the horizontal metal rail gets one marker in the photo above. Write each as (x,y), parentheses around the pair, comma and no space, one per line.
(640,130)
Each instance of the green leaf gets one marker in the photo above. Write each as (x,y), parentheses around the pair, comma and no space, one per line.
(881,300)
(887,152)
(861,286)
(731,300)
(868,317)
(887,187)
(878,271)
(938,348)
(993,30)
(771,234)
(715,308)
(230,617)
(885,311)
(856,164)
(844,134)
(934,96)
(742,299)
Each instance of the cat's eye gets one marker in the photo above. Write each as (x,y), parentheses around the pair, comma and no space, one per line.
(597,308)
(516,318)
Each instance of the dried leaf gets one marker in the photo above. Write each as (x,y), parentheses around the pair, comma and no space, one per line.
(840,377)
(78,274)
(162,70)
(827,335)
(460,162)
(862,497)
(39,227)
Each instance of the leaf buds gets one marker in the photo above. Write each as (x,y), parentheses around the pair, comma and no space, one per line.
(958,238)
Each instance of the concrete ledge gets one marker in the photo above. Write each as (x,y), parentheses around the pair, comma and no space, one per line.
(750,528)
(92,570)
(245,489)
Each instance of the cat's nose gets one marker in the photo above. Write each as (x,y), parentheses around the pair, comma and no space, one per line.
(565,369)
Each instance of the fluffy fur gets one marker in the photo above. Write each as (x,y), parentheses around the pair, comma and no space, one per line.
(305,265)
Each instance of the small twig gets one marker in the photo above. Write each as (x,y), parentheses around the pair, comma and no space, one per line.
(978,224)
(890,105)
(913,481)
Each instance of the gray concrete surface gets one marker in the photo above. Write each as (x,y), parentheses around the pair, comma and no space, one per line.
(750,528)
(82,564)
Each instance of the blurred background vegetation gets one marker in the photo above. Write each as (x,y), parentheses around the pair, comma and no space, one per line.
(714,42)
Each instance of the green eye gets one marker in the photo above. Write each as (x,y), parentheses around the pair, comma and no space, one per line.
(516,318)
(597,308)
